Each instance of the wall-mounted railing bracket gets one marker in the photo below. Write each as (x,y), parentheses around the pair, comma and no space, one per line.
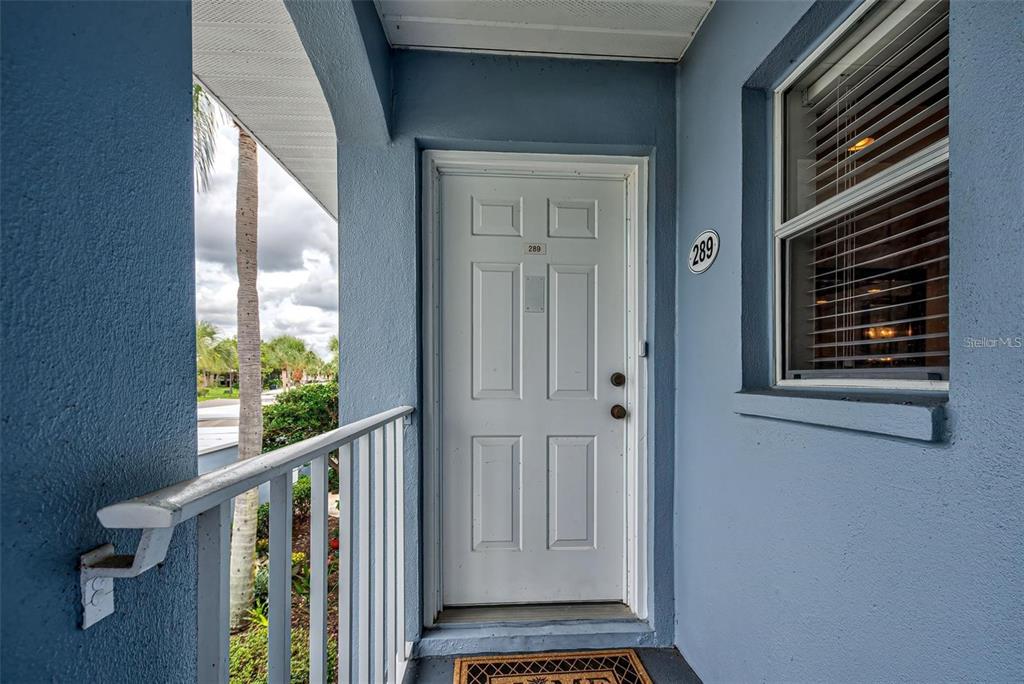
(98,568)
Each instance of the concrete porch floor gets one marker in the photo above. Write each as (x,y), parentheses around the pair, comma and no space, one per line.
(664,665)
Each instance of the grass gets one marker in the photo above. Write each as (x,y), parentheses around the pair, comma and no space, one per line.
(217,393)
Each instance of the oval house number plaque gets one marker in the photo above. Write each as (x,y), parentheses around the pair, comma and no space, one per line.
(703,251)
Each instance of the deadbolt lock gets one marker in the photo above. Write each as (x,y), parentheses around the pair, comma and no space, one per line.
(618,412)
(618,379)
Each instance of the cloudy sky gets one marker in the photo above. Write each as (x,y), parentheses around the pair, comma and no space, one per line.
(298,249)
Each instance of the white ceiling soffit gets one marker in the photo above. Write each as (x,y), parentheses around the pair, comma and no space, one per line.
(249,56)
(652,30)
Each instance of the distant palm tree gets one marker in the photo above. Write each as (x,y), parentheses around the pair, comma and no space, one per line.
(206,341)
(250,385)
(290,355)
(227,359)
(215,356)
(334,348)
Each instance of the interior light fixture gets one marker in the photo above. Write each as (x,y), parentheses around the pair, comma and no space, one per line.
(860,144)
(883,332)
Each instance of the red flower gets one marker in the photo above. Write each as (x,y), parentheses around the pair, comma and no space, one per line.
(335,544)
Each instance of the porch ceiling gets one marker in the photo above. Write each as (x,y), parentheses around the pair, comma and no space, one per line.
(651,30)
(249,57)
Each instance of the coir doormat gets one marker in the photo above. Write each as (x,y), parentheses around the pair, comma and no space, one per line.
(578,667)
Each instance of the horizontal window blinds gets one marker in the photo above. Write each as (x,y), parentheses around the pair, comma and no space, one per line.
(872,105)
(868,290)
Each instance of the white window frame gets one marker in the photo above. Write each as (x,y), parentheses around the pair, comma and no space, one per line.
(932,156)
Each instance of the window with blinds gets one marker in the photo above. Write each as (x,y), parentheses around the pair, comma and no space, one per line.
(864,237)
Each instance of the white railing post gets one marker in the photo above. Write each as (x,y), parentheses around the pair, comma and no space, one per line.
(213,530)
(371,568)
(378,537)
(346,509)
(361,547)
(279,650)
(390,599)
(400,545)
(318,557)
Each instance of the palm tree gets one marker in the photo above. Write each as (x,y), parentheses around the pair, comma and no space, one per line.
(206,118)
(334,361)
(206,346)
(227,359)
(250,419)
(289,354)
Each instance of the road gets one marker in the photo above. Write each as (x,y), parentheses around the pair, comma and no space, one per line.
(218,421)
(224,412)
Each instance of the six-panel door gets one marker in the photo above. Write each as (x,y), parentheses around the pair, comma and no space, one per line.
(533,324)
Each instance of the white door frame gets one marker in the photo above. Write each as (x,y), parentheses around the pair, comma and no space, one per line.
(633,170)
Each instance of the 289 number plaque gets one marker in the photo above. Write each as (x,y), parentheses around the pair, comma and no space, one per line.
(703,251)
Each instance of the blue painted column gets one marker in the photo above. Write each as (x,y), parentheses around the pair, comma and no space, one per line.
(97,323)
(379,311)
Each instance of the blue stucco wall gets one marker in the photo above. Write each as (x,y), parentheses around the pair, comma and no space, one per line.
(454,101)
(458,101)
(811,554)
(550,105)
(97,318)
(350,54)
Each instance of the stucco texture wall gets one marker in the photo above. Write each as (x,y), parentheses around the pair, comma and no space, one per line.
(98,355)
(455,101)
(810,554)
(474,102)
(508,104)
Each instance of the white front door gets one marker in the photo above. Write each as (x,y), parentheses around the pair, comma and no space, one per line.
(533,326)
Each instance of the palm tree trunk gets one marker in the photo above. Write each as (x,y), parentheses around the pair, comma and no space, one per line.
(250,417)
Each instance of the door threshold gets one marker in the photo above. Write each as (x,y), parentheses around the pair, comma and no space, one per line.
(472,630)
(534,612)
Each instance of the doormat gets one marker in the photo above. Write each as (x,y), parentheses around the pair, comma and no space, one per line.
(577,667)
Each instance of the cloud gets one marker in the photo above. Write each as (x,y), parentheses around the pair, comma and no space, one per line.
(322,295)
(297,252)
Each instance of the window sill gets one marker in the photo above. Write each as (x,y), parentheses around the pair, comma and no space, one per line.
(917,416)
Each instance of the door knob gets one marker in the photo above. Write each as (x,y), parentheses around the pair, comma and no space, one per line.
(618,379)
(618,412)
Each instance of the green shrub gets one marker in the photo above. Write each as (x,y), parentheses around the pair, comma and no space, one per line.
(261,584)
(248,656)
(300,413)
(258,614)
(302,492)
(263,521)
